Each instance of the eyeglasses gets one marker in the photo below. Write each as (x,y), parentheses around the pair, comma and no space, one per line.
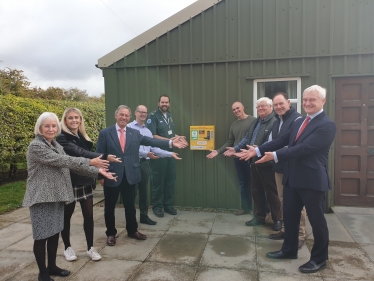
(142,112)
(262,106)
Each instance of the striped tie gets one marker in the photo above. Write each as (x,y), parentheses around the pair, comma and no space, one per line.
(302,128)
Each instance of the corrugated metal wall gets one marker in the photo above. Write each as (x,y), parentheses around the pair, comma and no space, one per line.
(209,62)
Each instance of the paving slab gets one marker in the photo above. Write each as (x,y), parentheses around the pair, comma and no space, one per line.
(338,210)
(16,215)
(194,222)
(31,271)
(232,225)
(152,271)
(283,266)
(349,261)
(13,233)
(79,244)
(163,224)
(185,248)
(224,251)
(113,269)
(192,246)
(360,227)
(264,230)
(12,262)
(271,276)
(131,249)
(369,250)
(4,223)
(218,274)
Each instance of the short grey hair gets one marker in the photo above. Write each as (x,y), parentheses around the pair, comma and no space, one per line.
(121,107)
(321,91)
(42,118)
(268,101)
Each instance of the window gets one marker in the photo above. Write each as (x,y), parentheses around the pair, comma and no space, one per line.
(269,87)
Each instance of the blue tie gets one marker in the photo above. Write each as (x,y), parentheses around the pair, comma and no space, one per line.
(254,134)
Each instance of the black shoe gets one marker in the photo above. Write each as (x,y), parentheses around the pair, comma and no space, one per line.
(277,226)
(158,213)
(255,222)
(59,272)
(277,236)
(171,211)
(280,255)
(147,220)
(311,267)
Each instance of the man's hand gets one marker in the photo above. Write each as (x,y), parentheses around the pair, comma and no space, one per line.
(108,175)
(175,156)
(269,156)
(245,154)
(113,158)
(230,151)
(180,142)
(101,181)
(182,139)
(152,155)
(212,154)
(99,163)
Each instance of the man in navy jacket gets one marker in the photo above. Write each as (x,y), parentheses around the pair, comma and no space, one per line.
(124,142)
(305,176)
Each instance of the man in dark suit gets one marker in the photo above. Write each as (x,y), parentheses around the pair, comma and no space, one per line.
(305,177)
(124,142)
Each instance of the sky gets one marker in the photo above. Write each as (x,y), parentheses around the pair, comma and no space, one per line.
(58,42)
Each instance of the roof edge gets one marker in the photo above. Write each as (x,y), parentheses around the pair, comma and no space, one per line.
(155,31)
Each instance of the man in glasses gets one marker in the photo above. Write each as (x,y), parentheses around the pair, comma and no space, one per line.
(262,176)
(145,154)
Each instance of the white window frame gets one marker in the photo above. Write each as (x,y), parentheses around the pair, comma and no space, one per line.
(298,91)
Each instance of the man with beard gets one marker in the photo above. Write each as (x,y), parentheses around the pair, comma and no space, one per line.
(161,124)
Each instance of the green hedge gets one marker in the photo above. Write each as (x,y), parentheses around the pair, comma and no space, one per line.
(18,117)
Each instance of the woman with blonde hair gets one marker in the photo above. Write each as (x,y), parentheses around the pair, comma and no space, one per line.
(49,188)
(76,142)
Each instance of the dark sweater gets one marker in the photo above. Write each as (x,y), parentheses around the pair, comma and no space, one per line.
(78,147)
(288,119)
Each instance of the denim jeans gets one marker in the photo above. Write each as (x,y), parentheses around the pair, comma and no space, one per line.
(244,179)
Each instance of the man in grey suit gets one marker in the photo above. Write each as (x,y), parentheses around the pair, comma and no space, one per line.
(124,142)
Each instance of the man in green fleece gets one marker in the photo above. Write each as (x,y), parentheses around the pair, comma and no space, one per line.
(237,132)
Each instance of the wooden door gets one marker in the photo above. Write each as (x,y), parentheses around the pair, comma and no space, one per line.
(354,142)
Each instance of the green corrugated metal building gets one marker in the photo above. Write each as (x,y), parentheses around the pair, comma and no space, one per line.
(213,53)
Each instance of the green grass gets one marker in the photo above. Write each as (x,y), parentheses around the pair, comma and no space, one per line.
(11,195)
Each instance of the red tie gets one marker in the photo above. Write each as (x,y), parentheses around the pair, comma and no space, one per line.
(122,140)
(302,128)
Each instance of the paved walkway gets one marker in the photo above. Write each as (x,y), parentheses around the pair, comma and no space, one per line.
(193,246)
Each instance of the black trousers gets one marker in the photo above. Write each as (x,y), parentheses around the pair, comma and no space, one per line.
(294,199)
(142,187)
(128,198)
(264,186)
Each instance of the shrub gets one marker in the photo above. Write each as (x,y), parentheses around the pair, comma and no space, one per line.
(18,116)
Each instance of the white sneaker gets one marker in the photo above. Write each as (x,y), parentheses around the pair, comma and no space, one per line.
(93,254)
(70,254)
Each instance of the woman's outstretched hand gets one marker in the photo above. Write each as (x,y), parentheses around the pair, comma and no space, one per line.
(108,175)
(113,158)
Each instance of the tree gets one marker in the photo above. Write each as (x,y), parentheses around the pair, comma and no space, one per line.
(12,81)
(74,94)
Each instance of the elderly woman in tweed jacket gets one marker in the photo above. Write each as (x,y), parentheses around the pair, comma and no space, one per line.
(49,189)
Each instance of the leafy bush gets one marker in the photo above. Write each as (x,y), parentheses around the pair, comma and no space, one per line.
(18,116)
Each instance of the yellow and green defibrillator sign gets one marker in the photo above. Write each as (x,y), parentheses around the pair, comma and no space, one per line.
(202,137)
